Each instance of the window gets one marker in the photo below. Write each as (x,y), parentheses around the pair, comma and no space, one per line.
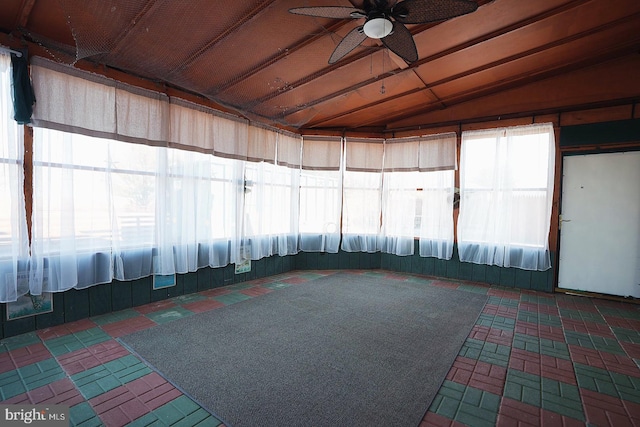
(506,191)
(14,241)
(106,209)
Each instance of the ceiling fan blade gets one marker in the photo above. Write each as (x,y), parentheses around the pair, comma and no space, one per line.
(422,11)
(348,43)
(334,12)
(401,43)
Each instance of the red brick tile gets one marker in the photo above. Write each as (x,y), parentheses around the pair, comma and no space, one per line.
(502,293)
(128,326)
(620,322)
(298,280)
(575,303)
(479,332)
(633,409)
(538,308)
(619,363)
(34,353)
(202,306)
(587,327)
(152,391)
(6,363)
(444,284)
(551,333)
(256,291)
(215,292)
(488,377)
(499,336)
(603,410)
(586,356)
(155,306)
(517,414)
(90,357)
(557,369)
(500,310)
(115,418)
(66,329)
(633,350)
(61,392)
(461,370)
(525,361)
(432,419)
(527,328)
(552,419)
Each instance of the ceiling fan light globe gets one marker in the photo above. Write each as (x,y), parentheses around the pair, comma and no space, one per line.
(378,28)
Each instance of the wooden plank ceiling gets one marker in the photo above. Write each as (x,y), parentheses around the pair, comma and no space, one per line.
(509,58)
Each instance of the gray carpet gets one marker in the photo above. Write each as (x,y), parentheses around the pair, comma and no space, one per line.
(342,350)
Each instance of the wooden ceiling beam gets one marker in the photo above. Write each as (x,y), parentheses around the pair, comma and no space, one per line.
(25,12)
(524,78)
(475,41)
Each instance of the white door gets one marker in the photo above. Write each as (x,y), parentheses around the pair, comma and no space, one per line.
(600,224)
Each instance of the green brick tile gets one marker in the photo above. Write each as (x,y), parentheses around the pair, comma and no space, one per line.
(478,408)
(628,387)
(466,405)
(41,373)
(186,299)
(76,341)
(110,375)
(533,298)
(11,385)
(19,341)
(83,415)
(240,286)
(26,378)
(117,316)
(475,289)
(627,335)
(169,314)
(587,316)
(523,387)
(632,313)
(276,285)
(448,399)
(562,398)
(539,318)
(185,412)
(199,418)
(471,348)
(595,379)
(595,342)
(496,322)
(541,345)
(232,298)
(503,301)
(419,280)
(495,354)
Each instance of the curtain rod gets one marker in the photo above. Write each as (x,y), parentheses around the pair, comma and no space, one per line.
(15,52)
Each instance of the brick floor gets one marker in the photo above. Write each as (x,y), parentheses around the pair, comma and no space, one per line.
(531,359)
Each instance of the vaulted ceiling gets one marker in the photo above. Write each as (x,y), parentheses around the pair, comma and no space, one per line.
(509,58)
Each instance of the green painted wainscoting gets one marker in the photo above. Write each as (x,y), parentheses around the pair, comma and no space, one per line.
(74,304)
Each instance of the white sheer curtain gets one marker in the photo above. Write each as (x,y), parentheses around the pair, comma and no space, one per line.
(362,195)
(506,192)
(437,161)
(106,209)
(320,194)
(418,185)
(14,240)
(400,196)
(271,204)
(436,214)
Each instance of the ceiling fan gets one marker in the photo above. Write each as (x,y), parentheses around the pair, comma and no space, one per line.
(385,20)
